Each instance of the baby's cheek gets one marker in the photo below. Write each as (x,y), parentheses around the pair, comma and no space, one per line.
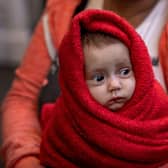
(131,87)
(98,94)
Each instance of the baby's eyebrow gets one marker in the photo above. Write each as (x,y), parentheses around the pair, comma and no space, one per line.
(124,63)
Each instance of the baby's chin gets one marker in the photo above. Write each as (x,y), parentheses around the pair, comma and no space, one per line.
(115,107)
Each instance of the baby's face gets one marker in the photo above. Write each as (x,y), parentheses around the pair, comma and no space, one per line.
(109,74)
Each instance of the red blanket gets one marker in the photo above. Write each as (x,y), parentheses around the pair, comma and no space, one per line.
(79,132)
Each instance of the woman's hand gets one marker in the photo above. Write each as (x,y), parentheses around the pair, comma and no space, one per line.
(28,162)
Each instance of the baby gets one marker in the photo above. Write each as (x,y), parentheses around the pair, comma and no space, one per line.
(111,112)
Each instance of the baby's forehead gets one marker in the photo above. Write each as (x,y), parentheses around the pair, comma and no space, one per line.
(101,41)
(113,52)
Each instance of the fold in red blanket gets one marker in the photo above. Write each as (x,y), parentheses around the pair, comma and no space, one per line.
(79,132)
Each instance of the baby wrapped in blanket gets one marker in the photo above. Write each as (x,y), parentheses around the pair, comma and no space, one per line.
(111,112)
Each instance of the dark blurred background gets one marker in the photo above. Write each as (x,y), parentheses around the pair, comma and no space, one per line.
(17,21)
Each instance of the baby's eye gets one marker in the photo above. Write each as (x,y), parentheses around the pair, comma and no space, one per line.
(125,72)
(98,77)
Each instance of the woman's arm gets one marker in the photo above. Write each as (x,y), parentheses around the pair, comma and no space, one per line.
(21,132)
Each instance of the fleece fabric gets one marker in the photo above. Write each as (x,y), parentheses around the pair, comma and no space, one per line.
(79,132)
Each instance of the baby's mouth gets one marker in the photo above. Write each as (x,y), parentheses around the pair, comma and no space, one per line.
(115,100)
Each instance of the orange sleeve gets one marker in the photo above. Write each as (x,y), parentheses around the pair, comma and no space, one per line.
(61,13)
(21,130)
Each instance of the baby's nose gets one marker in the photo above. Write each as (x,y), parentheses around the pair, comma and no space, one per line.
(114,84)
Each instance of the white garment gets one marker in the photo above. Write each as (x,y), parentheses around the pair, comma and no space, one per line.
(150,31)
